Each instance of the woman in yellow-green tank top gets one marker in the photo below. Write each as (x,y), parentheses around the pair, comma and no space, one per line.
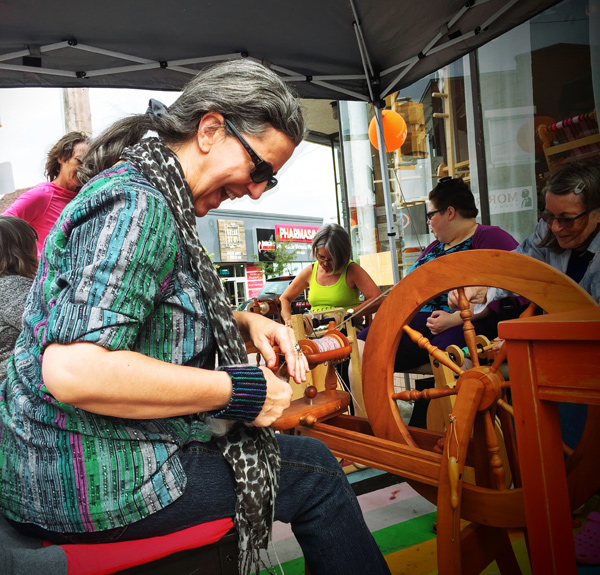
(334,280)
(340,294)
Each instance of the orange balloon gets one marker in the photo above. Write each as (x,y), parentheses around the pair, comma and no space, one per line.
(394,130)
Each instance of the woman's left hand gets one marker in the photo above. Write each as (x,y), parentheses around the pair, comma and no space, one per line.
(440,321)
(497,344)
(264,334)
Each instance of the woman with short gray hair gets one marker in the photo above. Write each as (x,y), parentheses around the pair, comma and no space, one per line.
(334,281)
(336,241)
(113,383)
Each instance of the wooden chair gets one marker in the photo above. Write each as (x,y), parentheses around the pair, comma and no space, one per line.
(433,462)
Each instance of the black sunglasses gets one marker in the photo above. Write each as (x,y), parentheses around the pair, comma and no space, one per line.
(432,213)
(262,171)
(562,222)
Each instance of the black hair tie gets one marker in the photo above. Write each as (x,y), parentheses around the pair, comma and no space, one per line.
(156,109)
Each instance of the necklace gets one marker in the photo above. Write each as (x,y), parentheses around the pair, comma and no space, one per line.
(463,237)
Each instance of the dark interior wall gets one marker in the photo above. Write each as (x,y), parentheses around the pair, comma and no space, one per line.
(562,81)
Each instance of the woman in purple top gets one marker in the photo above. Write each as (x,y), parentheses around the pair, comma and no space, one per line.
(451,213)
(41,205)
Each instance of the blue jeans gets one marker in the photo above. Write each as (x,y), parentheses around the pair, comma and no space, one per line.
(314,497)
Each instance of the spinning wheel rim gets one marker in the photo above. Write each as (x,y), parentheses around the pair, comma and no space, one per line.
(550,289)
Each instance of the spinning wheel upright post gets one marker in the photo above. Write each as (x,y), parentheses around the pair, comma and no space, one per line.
(386,443)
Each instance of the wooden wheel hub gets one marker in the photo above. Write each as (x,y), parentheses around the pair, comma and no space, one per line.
(492,385)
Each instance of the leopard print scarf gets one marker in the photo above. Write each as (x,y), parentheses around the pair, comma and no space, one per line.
(252,452)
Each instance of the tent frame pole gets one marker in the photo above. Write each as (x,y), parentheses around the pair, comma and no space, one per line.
(387,196)
(374,90)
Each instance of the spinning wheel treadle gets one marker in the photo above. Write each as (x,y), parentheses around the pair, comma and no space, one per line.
(479,390)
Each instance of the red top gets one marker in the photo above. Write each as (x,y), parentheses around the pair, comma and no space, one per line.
(40,207)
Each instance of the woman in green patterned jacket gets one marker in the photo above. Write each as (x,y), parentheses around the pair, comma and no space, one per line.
(129,410)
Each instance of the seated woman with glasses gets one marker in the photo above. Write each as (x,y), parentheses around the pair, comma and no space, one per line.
(566,237)
(334,280)
(451,213)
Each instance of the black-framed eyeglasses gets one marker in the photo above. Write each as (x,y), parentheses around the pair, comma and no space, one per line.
(562,221)
(262,171)
(323,259)
(432,213)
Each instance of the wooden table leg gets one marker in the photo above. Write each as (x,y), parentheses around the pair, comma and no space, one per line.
(542,466)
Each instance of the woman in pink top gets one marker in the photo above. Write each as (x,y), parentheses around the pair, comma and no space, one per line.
(41,205)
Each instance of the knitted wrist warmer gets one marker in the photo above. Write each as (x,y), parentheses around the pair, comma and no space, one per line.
(249,393)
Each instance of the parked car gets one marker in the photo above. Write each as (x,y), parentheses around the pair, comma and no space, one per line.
(275,287)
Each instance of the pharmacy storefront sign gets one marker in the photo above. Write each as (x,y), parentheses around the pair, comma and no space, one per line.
(287,233)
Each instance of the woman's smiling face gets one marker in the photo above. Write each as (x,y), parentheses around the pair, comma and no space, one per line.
(226,171)
(570,206)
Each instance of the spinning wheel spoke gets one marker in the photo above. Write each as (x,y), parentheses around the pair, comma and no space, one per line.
(433,351)
(415,394)
(506,406)
(500,359)
(494,450)
(468,328)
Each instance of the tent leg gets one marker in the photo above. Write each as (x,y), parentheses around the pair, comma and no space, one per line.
(387,196)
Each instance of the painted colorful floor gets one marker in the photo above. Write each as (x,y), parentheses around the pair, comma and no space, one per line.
(402,523)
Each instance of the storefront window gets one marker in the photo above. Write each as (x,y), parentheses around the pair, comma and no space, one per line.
(504,118)
(359,174)
(565,64)
(508,111)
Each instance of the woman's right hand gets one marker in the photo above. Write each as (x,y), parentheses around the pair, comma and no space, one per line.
(474,294)
(279,397)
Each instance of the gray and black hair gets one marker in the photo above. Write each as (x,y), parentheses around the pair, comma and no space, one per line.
(336,240)
(18,247)
(63,150)
(581,177)
(248,94)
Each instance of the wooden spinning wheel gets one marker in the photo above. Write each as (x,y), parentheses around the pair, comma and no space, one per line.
(479,390)
(266,306)
(384,442)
